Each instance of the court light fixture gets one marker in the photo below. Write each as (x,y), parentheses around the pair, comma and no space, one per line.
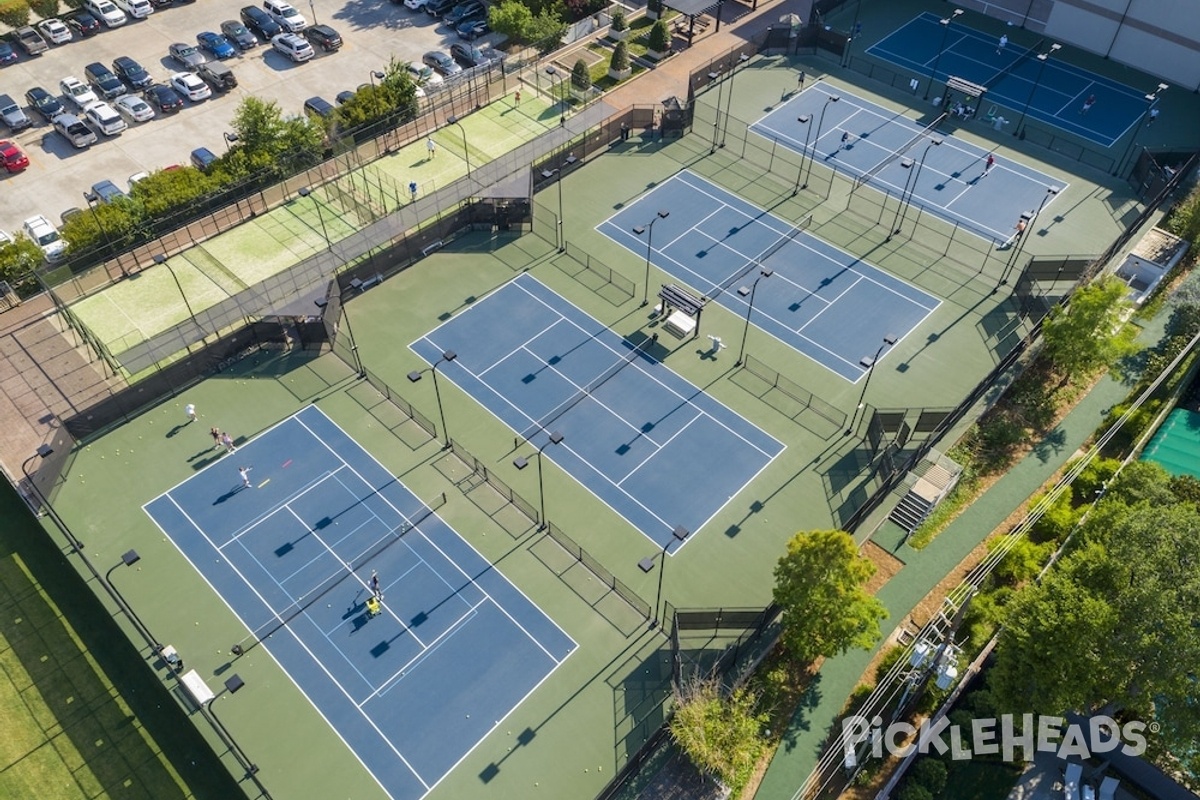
(521,462)
(945,23)
(869,362)
(678,535)
(744,291)
(416,375)
(454,120)
(833,98)
(649,229)
(803,119)
(162,261)
(128,559)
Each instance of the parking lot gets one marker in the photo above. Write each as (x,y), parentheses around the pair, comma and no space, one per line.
(373,32)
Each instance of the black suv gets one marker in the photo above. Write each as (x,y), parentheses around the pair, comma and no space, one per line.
(132,72)
(260,23)
(102,79)
(324,37)
(435,8)
(44,103)
(464,11)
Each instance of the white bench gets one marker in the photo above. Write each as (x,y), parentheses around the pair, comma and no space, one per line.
(680,324)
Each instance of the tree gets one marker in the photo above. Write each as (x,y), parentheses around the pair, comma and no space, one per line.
(166,190)
(618,21)
(1114,624)
(660,38)
(17,262)
(545,31)
(44,8)
(620,58)
(819,585)
(511,18)
(581,79)
(14,13)
(720,734)
(1088,333)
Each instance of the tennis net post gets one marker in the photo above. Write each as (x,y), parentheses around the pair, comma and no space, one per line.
(757,261)
(927,131)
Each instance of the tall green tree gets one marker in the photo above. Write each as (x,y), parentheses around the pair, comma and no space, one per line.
(17,262)
(720,733)
(1088,334)
(511,18)
(819,585)
(1114,625)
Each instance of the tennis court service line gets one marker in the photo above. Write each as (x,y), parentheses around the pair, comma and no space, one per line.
(426,650)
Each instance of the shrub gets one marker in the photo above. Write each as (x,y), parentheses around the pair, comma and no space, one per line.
(721,734)
(581,79)
(14,13)
(914,791)
(620,58)
(618,21)
(44,8)
(660,39)
(930,773)
(887,661)
(1056,522)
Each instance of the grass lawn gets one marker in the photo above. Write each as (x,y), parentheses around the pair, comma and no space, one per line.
(981,780)
(81,716)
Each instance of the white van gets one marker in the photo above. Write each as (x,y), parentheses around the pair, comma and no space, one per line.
(138,9)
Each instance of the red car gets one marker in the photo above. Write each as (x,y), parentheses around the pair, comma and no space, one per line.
(14,157)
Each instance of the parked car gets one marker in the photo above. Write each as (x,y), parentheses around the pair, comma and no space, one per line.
(471,56)
(441,62)
(464,11)
(105,119)
(345,96)
(215,45)
(54,30)
(163,98)
(7,54)
(318,107)
(136,9)
(82,24)
(239,34)
(106,11)
(13,157)
(186,55)
(324,37)
(292,46)
(13,116)
(203,158)
(46,236)
(472,29)
(135,177)
(161,3)
(190,86)
(131,72)
(105,192)
(77,92)
(134,108)
(102,79)
(415,5)
(283,13)
(436,8)
(44,103)
(30,40)
(261,23)
(217,75)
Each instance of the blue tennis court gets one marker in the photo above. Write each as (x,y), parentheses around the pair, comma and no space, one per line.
(947,179)
(655,448)
(411,689)
(1061,88)
(822,301)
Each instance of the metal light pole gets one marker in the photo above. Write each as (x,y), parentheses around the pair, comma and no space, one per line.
(521,462)
(415,376)
(322,304)
(648,228)
(715,75)
(906,163)
(556,80)
(92,201)
(945,23)
(1043,58)
(43,452)
(128,559)
(230,139)
(547,174)
(646,564)
(916,177)
(833,98)
(375,74)
(1150,99)
(232,684)
(763,272)
(161,260)
(741,59)
(803,119)
(453,120)
(888,341)
(307,192)
(1013,259)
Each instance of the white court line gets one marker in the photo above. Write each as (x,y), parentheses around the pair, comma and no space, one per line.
(696,225)
(1090,88)
(522,346)
(840,295)
(659,448)
(426,650)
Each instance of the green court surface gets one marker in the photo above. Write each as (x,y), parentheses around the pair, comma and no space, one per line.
(571,735)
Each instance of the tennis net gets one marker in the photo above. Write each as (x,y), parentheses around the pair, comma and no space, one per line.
(1016,62)
(348,567)
(587,389)
(925,133)
(762,257)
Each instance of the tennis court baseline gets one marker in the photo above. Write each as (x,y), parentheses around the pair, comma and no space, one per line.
(858,136)
(1055,92)
(827,304)
(453,648)
(655,448)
